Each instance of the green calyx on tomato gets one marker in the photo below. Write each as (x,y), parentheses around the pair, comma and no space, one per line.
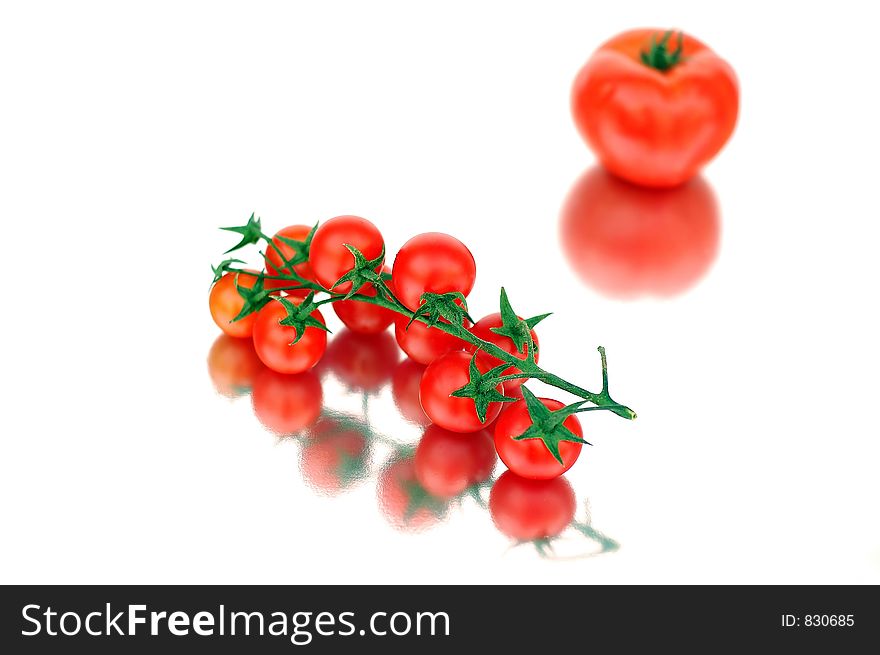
(483,388)
(547,425)
(222,268)
(659,56)
(363,272)
(451,307)
(255,297)
(300,248)
(516,329)
(299,317)
(250,233)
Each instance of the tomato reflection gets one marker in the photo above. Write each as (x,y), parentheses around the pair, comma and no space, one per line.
(362,362)
(334,457)
(447,463)
(287,404)
(233,365)
(405,503)
(627,241)
(531,509)
(405,391)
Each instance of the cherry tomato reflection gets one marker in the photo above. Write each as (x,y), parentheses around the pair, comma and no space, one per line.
(287,404)
(405,391)
(446,463)
(362,362)
(233,365)
(531,509)
(405,503)
(333,458)
(627,241)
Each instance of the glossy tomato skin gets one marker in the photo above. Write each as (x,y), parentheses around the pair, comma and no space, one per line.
(447,463)
(233,365)
(530,458)
(225,303)
(404,502)
(526,509)
(363,362)
(654,128)
(328,256)
(421,343)
(627,241)
(483,330)
(443,376)
(434,263)
(274,265)
(405,391)
(272,341)
(333,458)
(287,404)
(363,317)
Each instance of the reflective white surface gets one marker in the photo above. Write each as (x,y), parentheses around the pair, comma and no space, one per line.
(128,137)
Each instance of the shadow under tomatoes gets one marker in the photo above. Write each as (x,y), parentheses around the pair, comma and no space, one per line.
(526,509)
(626,241)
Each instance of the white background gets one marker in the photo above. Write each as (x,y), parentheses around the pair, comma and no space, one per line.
(129,132)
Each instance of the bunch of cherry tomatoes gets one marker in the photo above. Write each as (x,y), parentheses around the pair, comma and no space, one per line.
(431,263)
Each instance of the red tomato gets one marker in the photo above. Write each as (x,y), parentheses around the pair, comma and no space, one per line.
(334,457)
(225,303)
(530,458)
(274,265)
(628,241)
(363,362)
(287,404)
(432,263)
(272,340)
(531,509)
(421,343)
(441,378)
(404,502)
(651,127)
(405,391)
(447,463)
(363,317)
(329,257)
(482,329)
(233,364)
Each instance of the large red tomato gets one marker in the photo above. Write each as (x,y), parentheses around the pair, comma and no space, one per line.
(287,404)
(628,241)
(447,463)
(226,302)
(650,126)
(531,509)
(274,265)
(421,343)
(434,263)
(275,345)
(482,329)
(364,317)
(328,256)
(441,378)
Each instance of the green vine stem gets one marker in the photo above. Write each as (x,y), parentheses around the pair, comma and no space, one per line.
(528,367)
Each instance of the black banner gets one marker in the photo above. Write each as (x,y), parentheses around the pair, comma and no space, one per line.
(114,619)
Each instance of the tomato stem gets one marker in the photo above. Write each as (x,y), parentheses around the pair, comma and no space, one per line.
(658,55)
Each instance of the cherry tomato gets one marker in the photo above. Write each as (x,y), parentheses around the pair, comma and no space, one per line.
(363,362)
(272,340)
(447,463)
(329,257)
(404,502)
(287,404)
(405,391)
(655,127)
(274,265)
(432,263)
(483,330)
(531,509)
(530,458)
(233,364)
(363,317)
(225,303)
(628,241)
(334,457)
(421,343)
(441,378)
